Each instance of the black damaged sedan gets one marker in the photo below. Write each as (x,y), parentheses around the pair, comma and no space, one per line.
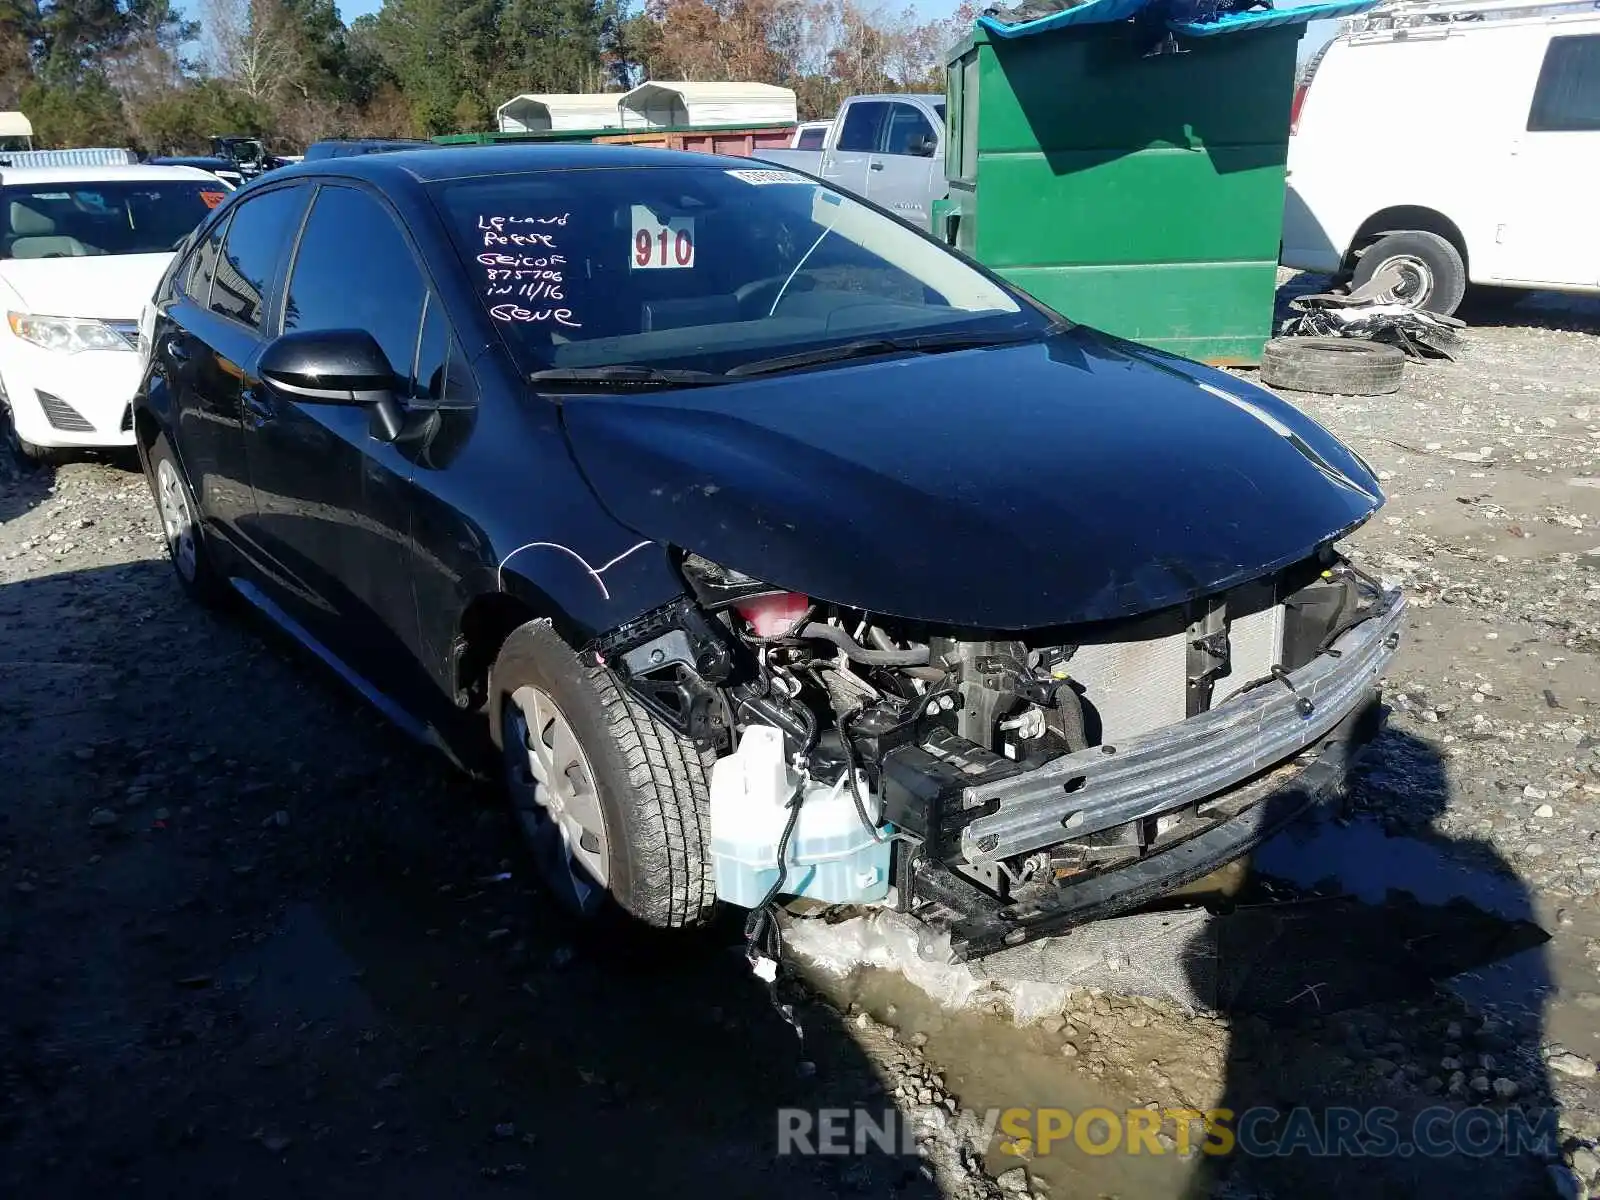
(765,546)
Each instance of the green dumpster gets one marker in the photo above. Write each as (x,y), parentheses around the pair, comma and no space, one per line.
(1127,167)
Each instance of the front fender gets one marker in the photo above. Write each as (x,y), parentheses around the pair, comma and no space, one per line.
(591,585)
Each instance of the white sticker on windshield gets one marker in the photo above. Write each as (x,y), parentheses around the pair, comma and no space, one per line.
(658,244)
(759,177)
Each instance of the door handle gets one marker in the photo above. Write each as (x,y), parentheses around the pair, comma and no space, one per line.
(177,352)
(875,166)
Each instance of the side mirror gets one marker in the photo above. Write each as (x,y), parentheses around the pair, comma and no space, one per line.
(335,366)
(925,146)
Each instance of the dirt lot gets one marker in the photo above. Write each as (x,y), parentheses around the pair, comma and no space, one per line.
(253,943)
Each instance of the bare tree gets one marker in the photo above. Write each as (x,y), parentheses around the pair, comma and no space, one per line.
(144,70)
(251,43)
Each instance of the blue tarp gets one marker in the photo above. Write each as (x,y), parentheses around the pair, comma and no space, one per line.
(1104,12)
(1234,22)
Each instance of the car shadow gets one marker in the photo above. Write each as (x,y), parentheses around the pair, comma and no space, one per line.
(1371,1053)
(256,944)
(1512,307)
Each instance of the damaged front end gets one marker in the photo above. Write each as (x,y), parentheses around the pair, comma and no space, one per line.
(1010,785)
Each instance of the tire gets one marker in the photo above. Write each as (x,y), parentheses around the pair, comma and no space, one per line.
(1338,366)
(1433,275)
(37,456)
(26,451)
(649,786)
(191,561)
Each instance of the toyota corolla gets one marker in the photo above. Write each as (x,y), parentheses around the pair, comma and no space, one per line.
(762,544)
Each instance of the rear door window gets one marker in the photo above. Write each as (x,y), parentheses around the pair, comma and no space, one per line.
(861,125)
(197,284)
(908,133)
(1567,98)
(261,229)
(355,270)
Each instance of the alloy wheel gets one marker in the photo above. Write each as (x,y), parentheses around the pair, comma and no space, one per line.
(553,792)
(177,521)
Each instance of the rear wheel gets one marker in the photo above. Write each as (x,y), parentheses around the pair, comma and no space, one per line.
(1414,268)
(613,802)
(180,526)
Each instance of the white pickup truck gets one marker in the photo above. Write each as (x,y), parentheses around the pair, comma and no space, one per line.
(889,149)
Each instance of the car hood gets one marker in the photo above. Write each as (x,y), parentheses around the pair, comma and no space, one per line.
(108,286)
(1013,487)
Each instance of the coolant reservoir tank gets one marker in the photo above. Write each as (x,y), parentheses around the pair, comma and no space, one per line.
(771,616)
(831,857)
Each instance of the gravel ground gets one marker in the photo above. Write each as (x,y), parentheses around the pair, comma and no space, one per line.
(253,942)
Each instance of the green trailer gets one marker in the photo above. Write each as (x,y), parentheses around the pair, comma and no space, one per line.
(1126,166)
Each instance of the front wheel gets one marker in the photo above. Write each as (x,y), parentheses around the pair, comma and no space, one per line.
(37,456)
(26,451)
(1414,268)
(613,803)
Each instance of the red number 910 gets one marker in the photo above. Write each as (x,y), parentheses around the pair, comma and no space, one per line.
(645,246)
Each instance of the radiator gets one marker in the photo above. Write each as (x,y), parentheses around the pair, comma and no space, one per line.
(1139,681)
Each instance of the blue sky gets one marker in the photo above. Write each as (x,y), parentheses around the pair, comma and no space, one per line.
(1317,32)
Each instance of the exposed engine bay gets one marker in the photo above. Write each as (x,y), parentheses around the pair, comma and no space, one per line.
(999,773)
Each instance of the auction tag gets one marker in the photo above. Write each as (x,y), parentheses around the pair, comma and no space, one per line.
(657,245)
(762,177)
(212,199)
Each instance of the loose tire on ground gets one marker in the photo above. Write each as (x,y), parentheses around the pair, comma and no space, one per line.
(1434,276)
(1336,366)
(191,561)
(652,783)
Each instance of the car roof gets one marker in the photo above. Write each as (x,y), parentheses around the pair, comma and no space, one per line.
(930,97)
(372,141)
(187,160)
(10,176)
(467,162)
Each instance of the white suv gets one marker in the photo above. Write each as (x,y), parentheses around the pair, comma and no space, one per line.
(81,251)
(1441,144)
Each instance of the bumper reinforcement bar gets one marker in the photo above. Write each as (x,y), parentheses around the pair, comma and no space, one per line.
(1168,768)
(980,924)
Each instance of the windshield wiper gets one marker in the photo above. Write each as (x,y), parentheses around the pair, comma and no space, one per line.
(628,375)
(865,348)
(925,343)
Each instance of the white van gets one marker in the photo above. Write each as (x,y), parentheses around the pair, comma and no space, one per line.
(1447,144)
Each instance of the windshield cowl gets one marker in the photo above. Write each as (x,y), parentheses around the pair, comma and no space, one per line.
(626,375)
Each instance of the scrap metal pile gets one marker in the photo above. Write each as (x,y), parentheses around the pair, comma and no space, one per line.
(1371,313)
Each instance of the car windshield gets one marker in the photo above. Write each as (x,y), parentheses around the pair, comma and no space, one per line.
(707,268)
(74,220)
